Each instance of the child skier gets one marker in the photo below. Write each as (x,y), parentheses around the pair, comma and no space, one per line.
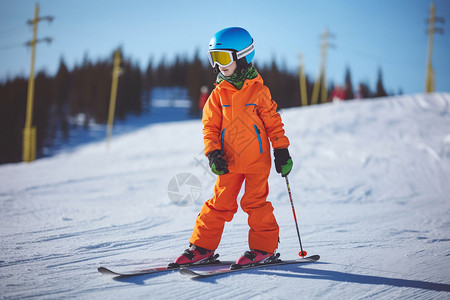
(239,118)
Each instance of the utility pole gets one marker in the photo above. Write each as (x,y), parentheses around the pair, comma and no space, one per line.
(321,79)
(301,76)
(112,101)
(430,75)
(29,132)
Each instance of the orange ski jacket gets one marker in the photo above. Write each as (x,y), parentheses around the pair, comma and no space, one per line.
(241,122)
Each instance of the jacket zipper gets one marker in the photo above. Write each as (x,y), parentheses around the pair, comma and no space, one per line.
(223,138)
(259,139)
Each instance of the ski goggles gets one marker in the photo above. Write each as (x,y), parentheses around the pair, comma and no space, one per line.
(225,57)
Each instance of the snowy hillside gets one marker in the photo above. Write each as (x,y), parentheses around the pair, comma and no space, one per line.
(371,186)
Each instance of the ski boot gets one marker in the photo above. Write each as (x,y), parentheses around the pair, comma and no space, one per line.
(194,255)
(255,257)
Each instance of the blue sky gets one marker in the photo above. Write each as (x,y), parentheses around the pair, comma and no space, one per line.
(368,35)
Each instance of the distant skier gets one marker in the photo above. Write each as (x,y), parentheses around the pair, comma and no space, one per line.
(203,97)
(338,94)
(239,118)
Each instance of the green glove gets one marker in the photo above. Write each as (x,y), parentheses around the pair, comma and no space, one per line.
(283,161)
(217,162)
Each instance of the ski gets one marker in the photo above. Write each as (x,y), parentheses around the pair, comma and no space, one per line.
(213,261)
(107,271)
(206,271)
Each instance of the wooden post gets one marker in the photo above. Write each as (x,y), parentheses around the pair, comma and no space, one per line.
(301,76)
(112,101)
(429,78)
(29,133)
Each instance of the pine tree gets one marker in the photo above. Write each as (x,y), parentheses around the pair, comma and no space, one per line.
(42,110)
(381,92)
(348,84)
(12,118)
(60,97)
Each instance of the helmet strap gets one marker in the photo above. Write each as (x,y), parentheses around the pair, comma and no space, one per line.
(242,65)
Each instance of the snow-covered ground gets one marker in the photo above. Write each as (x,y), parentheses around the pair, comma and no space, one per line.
(371,186)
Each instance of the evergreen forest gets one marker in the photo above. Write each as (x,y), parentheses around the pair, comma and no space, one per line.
(85,89)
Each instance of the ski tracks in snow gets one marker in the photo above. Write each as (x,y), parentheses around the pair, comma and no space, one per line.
(369,183)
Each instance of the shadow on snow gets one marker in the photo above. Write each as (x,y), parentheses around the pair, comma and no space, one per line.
(308,273)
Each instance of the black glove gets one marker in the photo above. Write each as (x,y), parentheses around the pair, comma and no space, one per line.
(283,161)
(217,162)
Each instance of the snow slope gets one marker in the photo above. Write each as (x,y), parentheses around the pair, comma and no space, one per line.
(371,186)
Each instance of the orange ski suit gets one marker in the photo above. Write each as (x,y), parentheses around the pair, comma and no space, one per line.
(241,122)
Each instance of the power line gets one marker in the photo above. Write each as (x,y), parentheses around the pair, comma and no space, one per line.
(11,47)
(13,33)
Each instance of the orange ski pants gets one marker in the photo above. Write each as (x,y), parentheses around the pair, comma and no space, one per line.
(209,225)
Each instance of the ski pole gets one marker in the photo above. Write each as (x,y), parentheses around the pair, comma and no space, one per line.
(301,253)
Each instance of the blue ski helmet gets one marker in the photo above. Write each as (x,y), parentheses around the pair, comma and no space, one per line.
(233,38)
